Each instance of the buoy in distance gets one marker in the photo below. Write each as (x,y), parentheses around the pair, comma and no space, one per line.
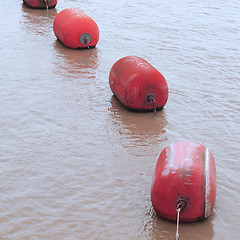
(75,29)
(185,175)
(40,4)
(138,85)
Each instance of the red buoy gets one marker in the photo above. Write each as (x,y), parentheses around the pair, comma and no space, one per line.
(75,29)
(41,3)
(185,177)
(138,85)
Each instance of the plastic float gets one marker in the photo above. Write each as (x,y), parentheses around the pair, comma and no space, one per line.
(184,180)
(75,29)
(41,4)
(138,85)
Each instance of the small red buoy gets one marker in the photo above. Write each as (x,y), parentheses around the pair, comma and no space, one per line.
(184,178)
(138,85)
(41,3)
(75,29)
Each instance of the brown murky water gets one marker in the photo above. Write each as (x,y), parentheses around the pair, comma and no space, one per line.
(74,164)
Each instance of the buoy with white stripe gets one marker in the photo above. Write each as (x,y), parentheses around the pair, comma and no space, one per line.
(75,29)
(184,181)
(40,4)
(138,85)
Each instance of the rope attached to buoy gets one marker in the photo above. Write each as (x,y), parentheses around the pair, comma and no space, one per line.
(46,3)
(177,233)
(181,205)
(152,101)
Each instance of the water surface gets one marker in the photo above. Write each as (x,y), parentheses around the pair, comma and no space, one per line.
(74,164)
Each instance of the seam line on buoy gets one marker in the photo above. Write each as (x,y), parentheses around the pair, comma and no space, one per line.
(206,183)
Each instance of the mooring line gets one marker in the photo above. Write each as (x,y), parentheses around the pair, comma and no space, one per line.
(182,203)
(46,3)
(177,231)
(152,101)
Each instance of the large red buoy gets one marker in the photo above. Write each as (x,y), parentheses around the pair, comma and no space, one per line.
(75,29)
(137,84)
(184,178)
(41,3)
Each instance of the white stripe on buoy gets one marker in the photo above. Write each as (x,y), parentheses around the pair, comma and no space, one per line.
(207,187)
